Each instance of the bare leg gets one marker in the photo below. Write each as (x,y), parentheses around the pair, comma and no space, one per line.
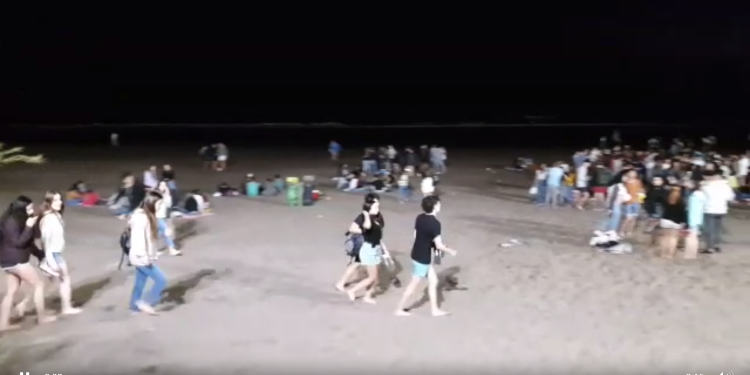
(372,274)
(13,282)
(369,294)
(432,280)
(29,275)
(350,271)
(66,292)
(410,289)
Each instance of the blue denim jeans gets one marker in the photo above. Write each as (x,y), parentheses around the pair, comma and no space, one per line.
(541,192)
(615,218)
(142,274)
(162,224)
(404,193)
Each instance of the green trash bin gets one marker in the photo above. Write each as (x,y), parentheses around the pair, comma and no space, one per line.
(293,192)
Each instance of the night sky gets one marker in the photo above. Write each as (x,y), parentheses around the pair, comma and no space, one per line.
(614,63)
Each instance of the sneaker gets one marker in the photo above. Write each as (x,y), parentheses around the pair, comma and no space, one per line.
(145,307)
(175,252)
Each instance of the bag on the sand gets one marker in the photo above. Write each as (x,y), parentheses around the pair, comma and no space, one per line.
(353,243)
(124,246)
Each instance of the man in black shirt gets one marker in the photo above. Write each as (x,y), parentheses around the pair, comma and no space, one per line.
(427,241)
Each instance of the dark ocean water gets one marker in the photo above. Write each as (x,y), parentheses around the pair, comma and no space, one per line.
(481,135)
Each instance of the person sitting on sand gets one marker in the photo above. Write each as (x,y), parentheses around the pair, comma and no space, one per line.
(80,195)
(426,251)
(150,179)
(129,197)
(196,203)
(268,188)
(278,184)
(252,188)
(225,190)
(167,174)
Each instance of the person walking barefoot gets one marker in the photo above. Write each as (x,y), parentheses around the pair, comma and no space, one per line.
(427,241)
(53,239)
(371,253)
(17,225)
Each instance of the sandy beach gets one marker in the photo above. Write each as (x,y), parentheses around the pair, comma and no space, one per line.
(254,292)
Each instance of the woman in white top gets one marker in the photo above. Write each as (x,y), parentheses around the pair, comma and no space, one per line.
(162,217)
(52,229)
(143,233)
(428,185)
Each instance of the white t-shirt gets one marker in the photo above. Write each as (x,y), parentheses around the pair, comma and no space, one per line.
(199,202)
(582,176)
(353,183)
(428,185)
(742,166)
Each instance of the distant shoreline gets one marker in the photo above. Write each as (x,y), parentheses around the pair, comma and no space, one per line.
(335,125)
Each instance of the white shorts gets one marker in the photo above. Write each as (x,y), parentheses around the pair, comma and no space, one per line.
(222,158)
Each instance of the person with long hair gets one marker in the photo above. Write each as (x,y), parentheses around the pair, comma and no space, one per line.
(143,233)
(370,223)
(17,225)
(52,230)
(428,247)
(162,217)
(672,221)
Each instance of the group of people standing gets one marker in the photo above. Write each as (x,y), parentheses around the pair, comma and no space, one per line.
(671,189)
(427,250)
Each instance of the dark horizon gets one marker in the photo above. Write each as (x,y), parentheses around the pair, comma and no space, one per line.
(605,64)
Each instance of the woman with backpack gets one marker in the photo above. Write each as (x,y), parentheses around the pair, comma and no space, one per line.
(52,230)
(142,255)
(370,223)
(17,230)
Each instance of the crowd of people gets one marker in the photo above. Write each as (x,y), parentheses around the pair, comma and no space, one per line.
(386,169)
(679,189)
(675,190)
(28,231)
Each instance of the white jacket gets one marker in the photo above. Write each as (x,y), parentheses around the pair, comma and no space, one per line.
(141,243)
(718,195)
(53,233)
(162,207)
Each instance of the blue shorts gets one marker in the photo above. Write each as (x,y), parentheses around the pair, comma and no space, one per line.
(370,255)
(420,269)
(59,259)
(632,209)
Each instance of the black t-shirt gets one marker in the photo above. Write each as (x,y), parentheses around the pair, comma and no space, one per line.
(427,227)
(375,233)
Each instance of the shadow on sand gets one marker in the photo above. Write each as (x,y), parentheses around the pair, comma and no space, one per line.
(174,295)
(447,281)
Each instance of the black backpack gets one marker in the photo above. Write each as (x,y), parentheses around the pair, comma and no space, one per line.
(124,246)
(353,243)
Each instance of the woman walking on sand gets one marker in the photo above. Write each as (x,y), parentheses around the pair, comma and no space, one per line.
(52,230)
(143,233)
(162,217)
(428,244)
(17,225)
(370,223)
